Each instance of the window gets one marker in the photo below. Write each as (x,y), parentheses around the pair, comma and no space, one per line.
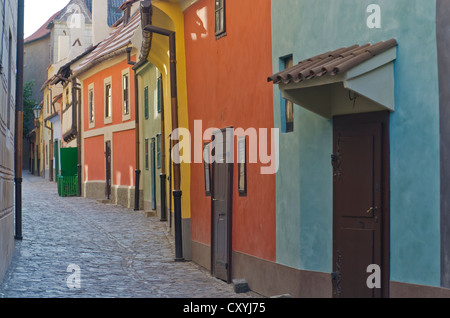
(108,101)
(146,110)
(146,154)
(220,18)
(91,105)
(287,107)
(153,173)
(125,94)
(159,92)
(207,160)
(158,151)
(242,166)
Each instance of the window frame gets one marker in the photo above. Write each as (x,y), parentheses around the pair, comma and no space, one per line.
(287,106)
(242,165)
(91,105)
(220,11)
(159,94)
(108,107)
(146,154)
(146,104)
(126,96)
(158,151)
(207,169)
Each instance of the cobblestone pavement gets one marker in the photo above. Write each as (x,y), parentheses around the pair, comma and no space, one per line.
(121,253)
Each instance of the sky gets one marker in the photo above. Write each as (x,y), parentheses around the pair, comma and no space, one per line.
(37,12)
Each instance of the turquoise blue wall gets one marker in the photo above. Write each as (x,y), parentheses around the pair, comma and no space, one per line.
(306,28)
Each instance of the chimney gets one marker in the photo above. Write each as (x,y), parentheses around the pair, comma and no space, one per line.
(100,28)
(129,8)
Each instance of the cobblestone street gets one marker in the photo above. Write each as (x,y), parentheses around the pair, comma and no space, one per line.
(120,252)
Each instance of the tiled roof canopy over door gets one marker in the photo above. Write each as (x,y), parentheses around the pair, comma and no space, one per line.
(350,80)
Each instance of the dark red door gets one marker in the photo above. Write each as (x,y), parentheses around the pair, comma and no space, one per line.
(222,175)
(359,207)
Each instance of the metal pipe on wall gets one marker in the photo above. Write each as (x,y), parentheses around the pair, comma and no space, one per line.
(137,172)
(19,123)
(177,193)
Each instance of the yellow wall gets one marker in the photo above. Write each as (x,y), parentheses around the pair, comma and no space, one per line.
(169,15)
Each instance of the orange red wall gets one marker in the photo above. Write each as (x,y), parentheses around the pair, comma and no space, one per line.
(94,159)
(124,157)
(122,140)
(227,86)
(115,71)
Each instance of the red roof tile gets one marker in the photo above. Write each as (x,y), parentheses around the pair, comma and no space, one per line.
(331,63)
(42,31)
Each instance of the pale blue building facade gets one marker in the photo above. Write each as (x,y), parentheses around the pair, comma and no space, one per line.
(417,237)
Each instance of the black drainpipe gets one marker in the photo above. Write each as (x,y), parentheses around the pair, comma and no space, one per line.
(174,109)
(19,122)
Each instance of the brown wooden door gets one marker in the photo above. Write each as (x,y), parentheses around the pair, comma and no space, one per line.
(222,175)
(359,203)
(108,169)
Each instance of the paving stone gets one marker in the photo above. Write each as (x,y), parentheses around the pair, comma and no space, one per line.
(121,253)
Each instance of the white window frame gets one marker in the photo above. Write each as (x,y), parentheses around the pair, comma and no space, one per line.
(108,81)
(126,117)
(91,105)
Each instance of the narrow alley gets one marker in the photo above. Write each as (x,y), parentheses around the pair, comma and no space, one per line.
(119,253)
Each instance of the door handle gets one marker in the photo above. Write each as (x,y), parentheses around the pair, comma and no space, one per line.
(371,209)
(215,199)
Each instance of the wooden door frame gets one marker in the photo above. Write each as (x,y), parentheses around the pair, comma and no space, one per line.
(230,167)
(383,119)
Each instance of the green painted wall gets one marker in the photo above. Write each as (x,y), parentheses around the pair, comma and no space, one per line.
(306,28)
(151,127)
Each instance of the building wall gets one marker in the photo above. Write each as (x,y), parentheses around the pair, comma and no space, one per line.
(227,87)
(7,126)
(414,136)
(120,131)
(36,51)
(169,15)
(151,127)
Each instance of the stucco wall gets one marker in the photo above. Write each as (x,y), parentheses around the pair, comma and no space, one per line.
(304,182)
(227,87)
(7,128)
(151,126)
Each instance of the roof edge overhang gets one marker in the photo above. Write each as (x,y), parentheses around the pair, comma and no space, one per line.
(372,80)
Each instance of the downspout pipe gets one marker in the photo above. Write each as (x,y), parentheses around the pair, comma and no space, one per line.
(76,123)
(19,123)
(137,172)
(176,164)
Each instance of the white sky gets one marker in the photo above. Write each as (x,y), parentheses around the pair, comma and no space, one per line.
(37,12)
